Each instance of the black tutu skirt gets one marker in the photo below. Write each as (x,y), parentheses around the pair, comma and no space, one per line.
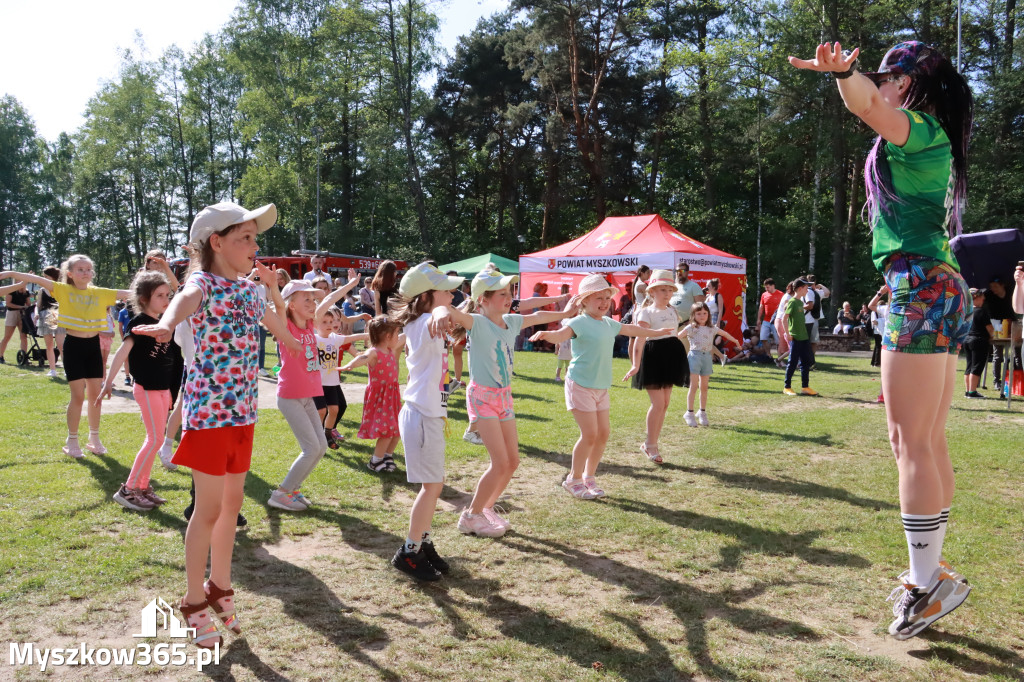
(664,364)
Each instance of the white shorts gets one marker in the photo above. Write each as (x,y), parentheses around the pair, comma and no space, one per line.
(423,441)
(768,331)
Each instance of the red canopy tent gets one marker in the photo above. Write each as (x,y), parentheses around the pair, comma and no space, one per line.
(619,246)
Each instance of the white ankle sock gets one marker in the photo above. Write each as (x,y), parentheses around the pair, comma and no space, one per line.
(924,541)
(168,444)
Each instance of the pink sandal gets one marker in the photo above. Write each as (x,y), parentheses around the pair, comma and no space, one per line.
(652,455)
(198,616)
(223,604)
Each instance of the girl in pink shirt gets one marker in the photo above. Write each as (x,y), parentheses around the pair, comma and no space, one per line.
(298,383)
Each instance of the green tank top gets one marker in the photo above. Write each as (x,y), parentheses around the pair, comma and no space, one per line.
(922,178)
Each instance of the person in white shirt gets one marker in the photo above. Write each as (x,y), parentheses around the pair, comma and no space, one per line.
(317,262)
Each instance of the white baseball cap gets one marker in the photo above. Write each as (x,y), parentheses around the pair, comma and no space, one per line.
(426,277)
(491,280)
(295,286)
(225,214)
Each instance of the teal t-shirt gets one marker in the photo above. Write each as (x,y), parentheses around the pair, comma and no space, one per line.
(922,178)
(682,299)
(491,350)
(795,324)
(592,345)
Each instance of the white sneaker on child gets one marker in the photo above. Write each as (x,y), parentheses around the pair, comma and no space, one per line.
(689,418)
(165,454)
(702,417)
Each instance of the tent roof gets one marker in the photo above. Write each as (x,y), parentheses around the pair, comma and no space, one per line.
(630,234)
(469,267)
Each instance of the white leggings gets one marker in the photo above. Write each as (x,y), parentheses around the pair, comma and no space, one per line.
(304,420)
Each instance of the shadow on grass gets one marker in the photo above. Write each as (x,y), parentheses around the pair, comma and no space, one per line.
(749,539)
(825,439)
(110,474)
(642,471)
(309,601)
(1010,666)
(690,605)
(785,485)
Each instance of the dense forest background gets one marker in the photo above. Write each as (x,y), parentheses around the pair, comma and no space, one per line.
(546,119)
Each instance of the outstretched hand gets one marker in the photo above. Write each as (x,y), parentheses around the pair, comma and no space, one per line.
(158,332)
(827,58)
(268,274)
(537,336)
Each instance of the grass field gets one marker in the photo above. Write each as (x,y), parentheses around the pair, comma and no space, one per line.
(763,549)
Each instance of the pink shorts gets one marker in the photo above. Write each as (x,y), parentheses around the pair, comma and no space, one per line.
(586,399)
(484,402)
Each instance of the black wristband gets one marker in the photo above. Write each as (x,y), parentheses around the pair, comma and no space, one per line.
(842,75)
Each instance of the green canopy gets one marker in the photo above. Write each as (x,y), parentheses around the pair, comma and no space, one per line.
(471,266)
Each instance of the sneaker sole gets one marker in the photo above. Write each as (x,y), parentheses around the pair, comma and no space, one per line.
(428,578)
(281,505)
(922,625)
(479,534)
(129,505)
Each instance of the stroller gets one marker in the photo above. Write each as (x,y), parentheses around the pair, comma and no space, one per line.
(35,353)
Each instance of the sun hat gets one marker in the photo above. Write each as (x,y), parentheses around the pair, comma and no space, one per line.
(225,214)
(594,284)
(426,277)
(661,278)
(909,58)
(490,280)
(295,286)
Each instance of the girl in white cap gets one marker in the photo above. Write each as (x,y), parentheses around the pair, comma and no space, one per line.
(421,306)
(219,397)
(588,378)
(492,334)
(660,363)
(299,385)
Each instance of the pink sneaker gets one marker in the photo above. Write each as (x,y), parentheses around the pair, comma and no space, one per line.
(592,486)
(480,525)
(578,489)
(497,520)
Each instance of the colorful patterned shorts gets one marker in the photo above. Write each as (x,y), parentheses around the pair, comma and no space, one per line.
(484,402)
(931,306)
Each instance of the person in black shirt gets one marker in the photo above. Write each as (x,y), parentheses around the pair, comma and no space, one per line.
(46,316)
(17,302)
(977,345)
(998,306)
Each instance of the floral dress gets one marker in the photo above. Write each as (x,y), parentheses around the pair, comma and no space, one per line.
(382,399)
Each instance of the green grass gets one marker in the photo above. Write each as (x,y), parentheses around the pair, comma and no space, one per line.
(763,549)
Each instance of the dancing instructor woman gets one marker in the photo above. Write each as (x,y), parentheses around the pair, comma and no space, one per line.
(916,177)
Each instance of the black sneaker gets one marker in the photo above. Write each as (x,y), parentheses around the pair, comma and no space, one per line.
(241,522)
(428,550)
(417,565)
(974,394)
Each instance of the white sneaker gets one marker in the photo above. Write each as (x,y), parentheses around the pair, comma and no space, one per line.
(689,418)
(702,417)
(52,374)
(479,524)
(165,458)
(286,501)
(472,437)
(454,386)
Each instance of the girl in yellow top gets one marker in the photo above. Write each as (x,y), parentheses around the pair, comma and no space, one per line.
(83,315)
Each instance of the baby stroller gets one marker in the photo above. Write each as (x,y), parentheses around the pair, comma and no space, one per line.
(34,353)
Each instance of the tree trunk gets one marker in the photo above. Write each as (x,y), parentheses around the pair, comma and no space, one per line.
(707,156)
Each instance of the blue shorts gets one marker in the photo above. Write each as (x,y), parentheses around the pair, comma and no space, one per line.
(701,362)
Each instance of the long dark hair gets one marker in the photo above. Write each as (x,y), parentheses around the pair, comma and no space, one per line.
(936,89)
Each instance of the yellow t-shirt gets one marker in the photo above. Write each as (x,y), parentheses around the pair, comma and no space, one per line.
(83,310)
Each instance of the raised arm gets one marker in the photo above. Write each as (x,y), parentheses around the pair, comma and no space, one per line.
(539,302)
(560,336)
(548,316)
(859,93)
(165,267)
(367,357)
(336,295)
(184,304)
(268,276)
(11,288)
(44,282)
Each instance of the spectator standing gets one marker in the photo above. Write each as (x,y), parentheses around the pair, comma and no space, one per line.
(978,344)
(317,263)
(687,293)
(766,314)
(997,304)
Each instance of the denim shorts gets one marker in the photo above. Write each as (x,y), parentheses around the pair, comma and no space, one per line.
(931,306)
(701,362)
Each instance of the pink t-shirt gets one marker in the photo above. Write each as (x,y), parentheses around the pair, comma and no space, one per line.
(300,374)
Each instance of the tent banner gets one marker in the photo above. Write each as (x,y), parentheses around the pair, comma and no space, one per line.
(708,263)
(614,263)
